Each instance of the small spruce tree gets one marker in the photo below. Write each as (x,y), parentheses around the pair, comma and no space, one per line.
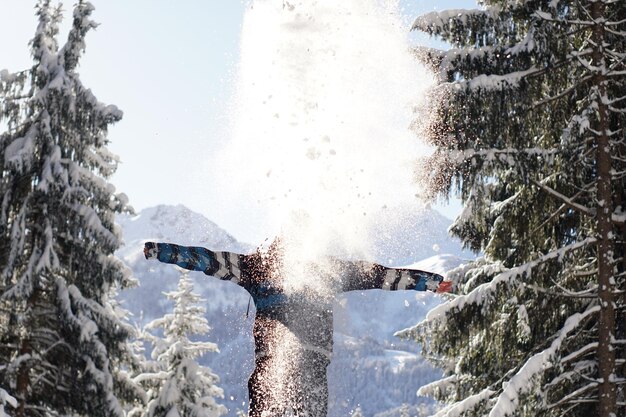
(178,385)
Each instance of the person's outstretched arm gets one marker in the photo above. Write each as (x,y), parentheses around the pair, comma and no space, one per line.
(223,265)
(358,276)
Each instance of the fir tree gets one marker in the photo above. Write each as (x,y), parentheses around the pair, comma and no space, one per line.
(531,135)
(178,385)
(63,343)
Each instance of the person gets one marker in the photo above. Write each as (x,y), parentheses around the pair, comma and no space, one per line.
(291,377)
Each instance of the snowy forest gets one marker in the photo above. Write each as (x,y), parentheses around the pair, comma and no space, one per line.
(527,119)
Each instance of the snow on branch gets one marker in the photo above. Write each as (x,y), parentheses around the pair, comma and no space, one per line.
(19,153)
(444,384)
(574,396)
(566,200)
(619,217)
(563,93)
(491,53)
(549,18)
(48,259)
(105,380)
(76,38)
(80,320)
(93,223)
(480,294)
(95,312)
(590,347)
(150,376)
(468,404)
(441,18)
(494,82)
(578,370)
(5,399)
(520,383)
(526,45)
(502,155)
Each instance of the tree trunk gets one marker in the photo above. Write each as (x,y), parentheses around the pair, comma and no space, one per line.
(22,383)
(607,401)
(620,201)
(23,378)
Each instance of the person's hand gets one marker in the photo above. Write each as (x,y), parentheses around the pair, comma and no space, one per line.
(445,286)
(150,250)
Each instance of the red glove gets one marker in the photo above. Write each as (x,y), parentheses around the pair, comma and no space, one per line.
(445,286)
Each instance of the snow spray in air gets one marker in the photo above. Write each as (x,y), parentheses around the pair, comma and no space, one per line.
(320,122)
(320,140)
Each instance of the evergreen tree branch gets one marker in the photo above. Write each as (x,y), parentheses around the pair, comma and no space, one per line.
(537,364)
(553,66)
(589,293)
(590,347)
(573,397)
(617,23)
(546,17)
(477,295)
(619,218)
(566,200)
(557,212)
(467,404)
(616,110)
(565,92)
(616,32)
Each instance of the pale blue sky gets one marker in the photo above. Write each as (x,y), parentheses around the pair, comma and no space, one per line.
(170,67)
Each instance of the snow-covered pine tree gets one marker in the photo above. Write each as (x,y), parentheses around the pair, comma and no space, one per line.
(178,385)
(62,343)
(531,135)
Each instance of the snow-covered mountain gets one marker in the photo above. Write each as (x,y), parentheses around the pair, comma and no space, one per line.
(225,303)
(405,235)
(370,369)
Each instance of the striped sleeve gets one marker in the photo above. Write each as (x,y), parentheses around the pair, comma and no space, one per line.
(364,276)
(410,279)
(222,265)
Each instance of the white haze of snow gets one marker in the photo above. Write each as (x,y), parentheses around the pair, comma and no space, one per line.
(320,123)
(320,140)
